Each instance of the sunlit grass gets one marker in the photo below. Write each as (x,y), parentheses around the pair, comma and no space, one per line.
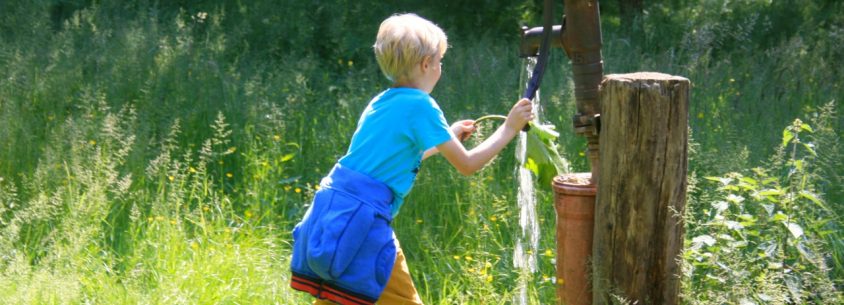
(153,156)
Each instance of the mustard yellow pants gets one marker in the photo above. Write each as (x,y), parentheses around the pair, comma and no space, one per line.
(399,289)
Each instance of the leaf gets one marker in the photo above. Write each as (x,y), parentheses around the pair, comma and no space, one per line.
(810,147)
(722,180)
(814,198)
(542,156)
(701,240)
(720,206)
(287,157)
(806,127)
(733,225)
(779,216)
(795,229)
(771,192)
(787,135)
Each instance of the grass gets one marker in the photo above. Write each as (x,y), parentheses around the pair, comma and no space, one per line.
(160,155)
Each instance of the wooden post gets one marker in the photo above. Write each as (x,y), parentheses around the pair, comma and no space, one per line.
(642,188)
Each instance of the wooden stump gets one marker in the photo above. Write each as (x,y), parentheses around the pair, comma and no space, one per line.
(641,189)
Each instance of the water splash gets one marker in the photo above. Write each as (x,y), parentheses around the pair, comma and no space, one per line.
(527,239)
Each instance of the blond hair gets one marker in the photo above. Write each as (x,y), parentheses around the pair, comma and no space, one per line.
(403,41)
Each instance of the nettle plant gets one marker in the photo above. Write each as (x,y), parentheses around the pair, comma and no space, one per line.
(763,239)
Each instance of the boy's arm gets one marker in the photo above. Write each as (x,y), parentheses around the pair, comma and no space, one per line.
(462,129)
(469,162)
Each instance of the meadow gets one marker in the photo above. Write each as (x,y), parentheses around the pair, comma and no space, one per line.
(160,153)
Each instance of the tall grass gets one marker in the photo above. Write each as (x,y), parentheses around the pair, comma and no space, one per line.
(161,152)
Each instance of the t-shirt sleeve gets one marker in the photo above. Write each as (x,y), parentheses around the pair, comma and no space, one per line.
(428,125)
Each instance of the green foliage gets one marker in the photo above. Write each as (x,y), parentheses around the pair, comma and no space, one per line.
(542,156)
(768,237)
(159,152)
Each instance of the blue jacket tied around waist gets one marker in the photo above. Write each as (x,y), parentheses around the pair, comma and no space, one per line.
(343,250)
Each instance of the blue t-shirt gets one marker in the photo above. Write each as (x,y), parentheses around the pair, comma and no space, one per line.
(393,132)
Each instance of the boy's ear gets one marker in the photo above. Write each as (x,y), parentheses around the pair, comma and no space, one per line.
(426,62)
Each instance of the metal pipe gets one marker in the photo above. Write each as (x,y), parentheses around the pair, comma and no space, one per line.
(582,43)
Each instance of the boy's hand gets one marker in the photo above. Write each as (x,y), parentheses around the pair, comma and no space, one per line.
(463,129)
(520,114)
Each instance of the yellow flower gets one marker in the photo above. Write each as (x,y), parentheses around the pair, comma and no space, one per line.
(298,190)
(350,63)
(92,142)
(191,169)
(457,257)
(172,222)
(418,221)
(468,258)
(229,175)
(489,278)
(471,270)
(194,245)
(493,218)
(277,137)
(248,214)
(205,209)
(231,150)
(549,253)
(149,219)
(287,188)
(171,178)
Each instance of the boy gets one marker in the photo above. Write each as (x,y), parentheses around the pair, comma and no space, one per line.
(344,250)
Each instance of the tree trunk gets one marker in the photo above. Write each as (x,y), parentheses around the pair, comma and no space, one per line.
(642,187)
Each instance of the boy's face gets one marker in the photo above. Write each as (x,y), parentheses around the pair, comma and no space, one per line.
(431,68)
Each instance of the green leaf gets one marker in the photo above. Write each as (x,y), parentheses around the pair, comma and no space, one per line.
(771,192)
(814,198)
(542,157)
(806,127)
(795,229)
(787,135)
(287,157)
(809,147)
(779,216)
(722,180)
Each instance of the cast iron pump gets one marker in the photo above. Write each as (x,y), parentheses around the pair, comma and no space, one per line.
(580,37)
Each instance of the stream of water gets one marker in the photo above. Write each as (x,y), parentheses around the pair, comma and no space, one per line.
(527,239)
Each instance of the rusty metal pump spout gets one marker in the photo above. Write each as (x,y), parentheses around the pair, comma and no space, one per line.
(532,38)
